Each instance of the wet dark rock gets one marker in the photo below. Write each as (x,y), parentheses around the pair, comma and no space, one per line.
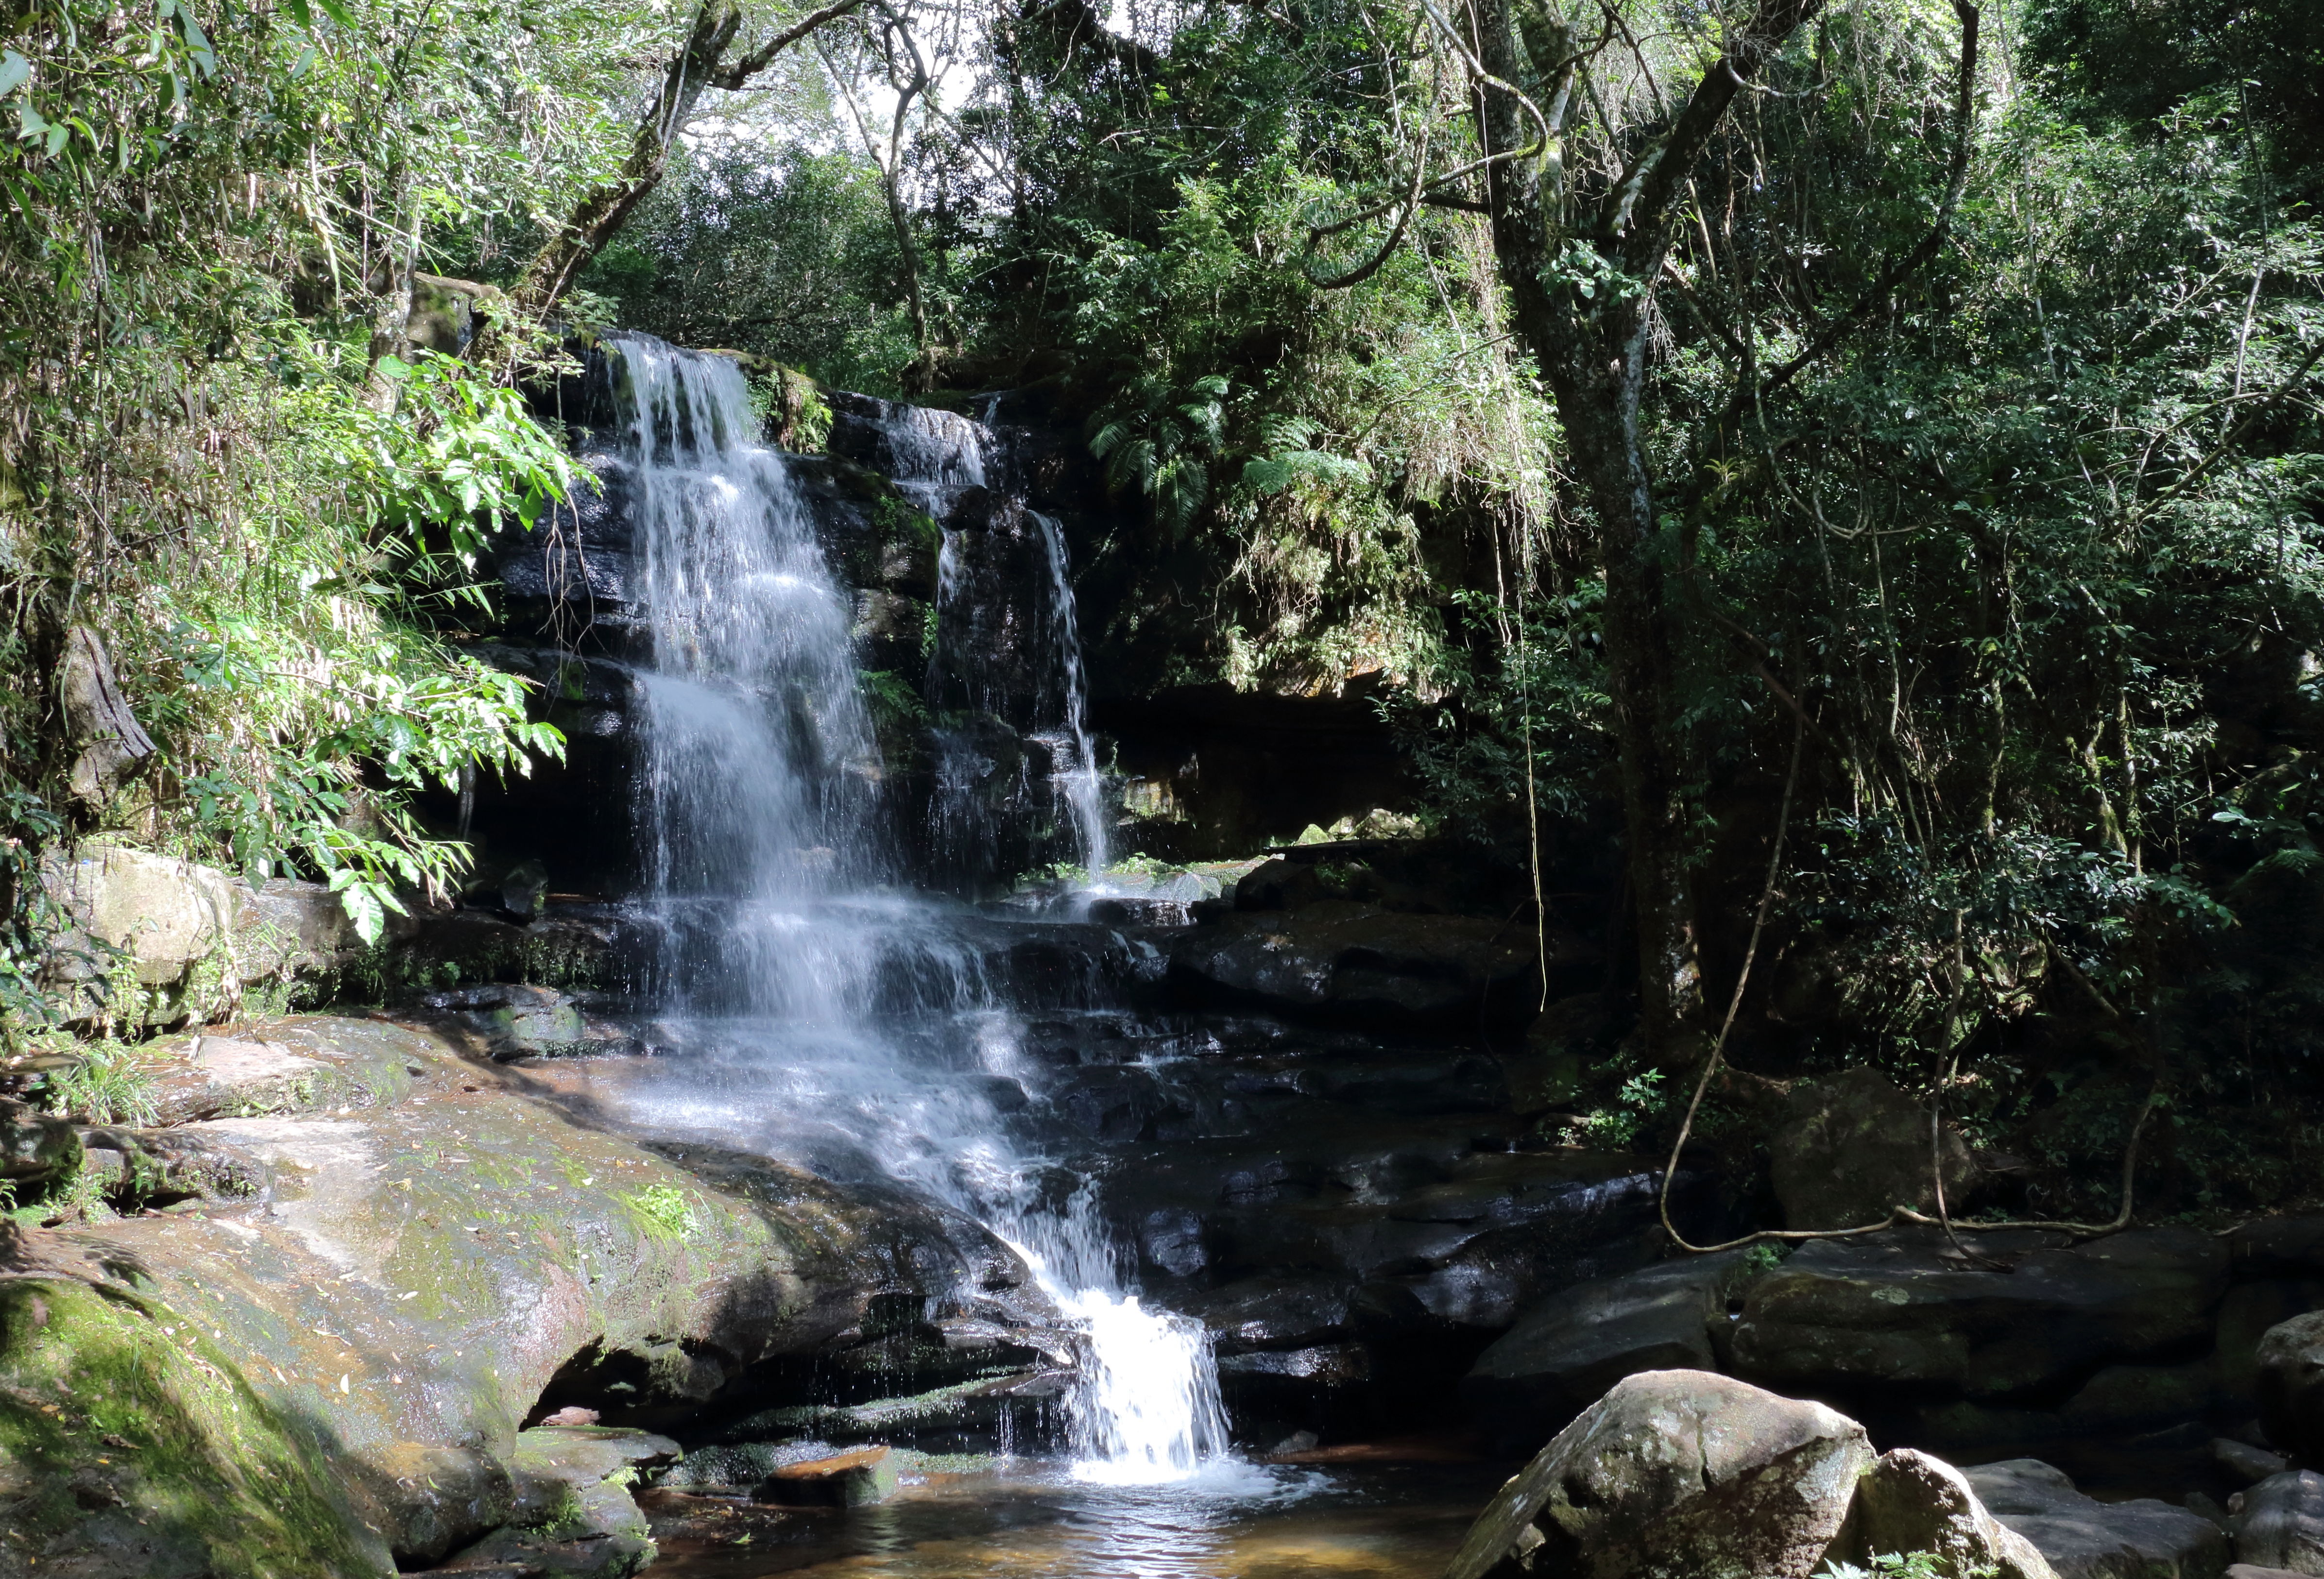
(2279,1247)
(1853,1146)
(1900,1311)
(2291,1379)
(2084,1538)
(1340,958)
(2129,1398)
(2245,1462)
(1569,1350)
(1676,1472)
(2279,1523)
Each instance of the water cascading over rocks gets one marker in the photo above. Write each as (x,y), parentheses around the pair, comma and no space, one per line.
(814,1009)
(1016,778)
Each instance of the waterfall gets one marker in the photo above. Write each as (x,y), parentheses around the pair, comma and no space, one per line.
(820,1014)
(1009,657)
(1079,779)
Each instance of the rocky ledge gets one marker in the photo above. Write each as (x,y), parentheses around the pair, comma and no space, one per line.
(334,1321)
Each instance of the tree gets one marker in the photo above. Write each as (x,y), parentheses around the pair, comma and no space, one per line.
(700,63)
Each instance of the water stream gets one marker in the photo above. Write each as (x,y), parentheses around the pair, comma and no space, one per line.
(820,1011)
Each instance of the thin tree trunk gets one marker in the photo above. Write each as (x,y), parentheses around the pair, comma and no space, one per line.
(1590,345)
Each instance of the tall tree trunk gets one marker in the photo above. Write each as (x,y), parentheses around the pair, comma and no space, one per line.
(1581,276)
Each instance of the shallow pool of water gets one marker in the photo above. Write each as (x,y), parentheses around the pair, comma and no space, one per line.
(1037,1521)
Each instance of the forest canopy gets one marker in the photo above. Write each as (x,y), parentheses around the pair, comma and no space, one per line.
(1863,457)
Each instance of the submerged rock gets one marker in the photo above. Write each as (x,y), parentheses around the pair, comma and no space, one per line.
(1675,1473)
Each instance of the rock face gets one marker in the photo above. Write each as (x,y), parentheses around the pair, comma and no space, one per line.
(1343,959)
(328,1370)
(2281,1523)
(2291,1385)
(1913,1502)
(1569,1350)
(2085,1538)
(190,937)
(1677,1472)
(1853,1146)
(1897,1311)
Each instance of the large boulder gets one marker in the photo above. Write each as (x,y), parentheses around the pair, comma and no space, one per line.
(1901,1312)
(159,916)
(326,1371)
(1675,1473)
(2290,1384)
(2280,1523)
(1853,1146)
(1911,1502)
(1571,1348)
(2085,1538)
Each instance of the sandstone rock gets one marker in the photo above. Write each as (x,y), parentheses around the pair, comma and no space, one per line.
(419,1277)
(844,1480)
(1898,1309)
(2246,1571)
(1675,1473)
(1852,1147)
(1911,1502)
(163,913)
(34,1146)
(1565,1352)
(2290,1384)
(2281,1523)
(2279,1247)
(288,928)
(2244,1316)
(2085,1538)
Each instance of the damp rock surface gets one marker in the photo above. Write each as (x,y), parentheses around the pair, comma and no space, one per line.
(331,1373)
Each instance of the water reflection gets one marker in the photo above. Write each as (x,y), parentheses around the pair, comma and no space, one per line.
(1234,1521)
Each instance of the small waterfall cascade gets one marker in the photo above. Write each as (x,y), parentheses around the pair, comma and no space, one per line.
(815,1012)
(758,754)
(1006,678)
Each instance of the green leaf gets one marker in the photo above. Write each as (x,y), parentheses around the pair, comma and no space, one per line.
(337,13)
(14,71)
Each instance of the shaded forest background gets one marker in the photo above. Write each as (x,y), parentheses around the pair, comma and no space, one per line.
(1977,385)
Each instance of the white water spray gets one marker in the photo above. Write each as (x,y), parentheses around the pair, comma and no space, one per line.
(758,779)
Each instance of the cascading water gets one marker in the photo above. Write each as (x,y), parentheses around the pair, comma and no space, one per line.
(821,1013)
(1007,669)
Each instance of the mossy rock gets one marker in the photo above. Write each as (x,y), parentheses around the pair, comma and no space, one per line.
(130,1445)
